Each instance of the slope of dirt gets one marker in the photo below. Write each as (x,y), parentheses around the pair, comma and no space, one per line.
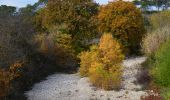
(73,87)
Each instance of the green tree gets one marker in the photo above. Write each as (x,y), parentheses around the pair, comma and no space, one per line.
(7,10)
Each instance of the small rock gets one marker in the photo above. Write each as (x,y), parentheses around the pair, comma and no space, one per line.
(101,95)
(94,89)
(92,95)
(69,93)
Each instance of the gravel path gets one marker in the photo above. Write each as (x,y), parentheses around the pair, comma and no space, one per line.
(72,87)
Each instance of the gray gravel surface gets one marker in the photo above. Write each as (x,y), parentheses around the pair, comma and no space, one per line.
(73,87)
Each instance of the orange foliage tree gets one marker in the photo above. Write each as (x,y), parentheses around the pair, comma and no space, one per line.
(6,76)
(103,63)
(124,21)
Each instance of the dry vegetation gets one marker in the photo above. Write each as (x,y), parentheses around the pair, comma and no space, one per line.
(103,63)
(48,39)
(156,47)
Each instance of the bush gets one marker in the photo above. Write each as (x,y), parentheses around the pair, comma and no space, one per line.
(152,41)
(77,15)
(159,20)
(106,79)
(57,46)
(166,93)
(167,96)
(87,58)
(7,76)
(160,71)
(124,21)
(103,63)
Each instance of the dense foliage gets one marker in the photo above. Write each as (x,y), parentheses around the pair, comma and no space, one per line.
(124,21)
(18,43)
(77,15)
(57,46)
(162,65)
(46,37)
(156,47)
(103,63)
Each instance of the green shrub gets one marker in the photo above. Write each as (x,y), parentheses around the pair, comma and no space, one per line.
(166,93)
(103,63)
(152,41)
(160,71)
(167,96)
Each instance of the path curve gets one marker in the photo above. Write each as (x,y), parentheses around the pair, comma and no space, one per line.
(72,87)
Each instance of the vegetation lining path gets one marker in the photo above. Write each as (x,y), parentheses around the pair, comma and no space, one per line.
(73,87)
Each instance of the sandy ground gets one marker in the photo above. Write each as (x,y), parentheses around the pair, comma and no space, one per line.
(73,87)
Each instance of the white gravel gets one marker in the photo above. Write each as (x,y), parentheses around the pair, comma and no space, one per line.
(72,87)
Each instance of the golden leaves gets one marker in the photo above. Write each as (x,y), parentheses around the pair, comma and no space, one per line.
(124,21)
(103,63)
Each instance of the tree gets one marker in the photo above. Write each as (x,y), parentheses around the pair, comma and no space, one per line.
(124,21)
(16,31)
(103,63)
(77,15)
(7,10)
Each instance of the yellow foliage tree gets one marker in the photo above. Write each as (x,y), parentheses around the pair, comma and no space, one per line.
(124,21)
(87,57)
(103,63)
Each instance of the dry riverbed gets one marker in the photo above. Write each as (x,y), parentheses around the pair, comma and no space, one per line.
(73,87)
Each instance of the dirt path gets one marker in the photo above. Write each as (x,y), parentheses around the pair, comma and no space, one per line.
(72,87)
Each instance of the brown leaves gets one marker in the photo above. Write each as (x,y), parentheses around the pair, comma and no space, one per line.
(6,76)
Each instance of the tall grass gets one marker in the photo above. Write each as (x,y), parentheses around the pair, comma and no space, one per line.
(161,69)
(152,41)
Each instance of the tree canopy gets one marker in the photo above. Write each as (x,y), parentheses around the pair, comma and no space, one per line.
(76,15)
(124,20)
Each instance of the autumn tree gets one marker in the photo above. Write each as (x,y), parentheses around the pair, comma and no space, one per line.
(77,15)
(124,21)
(103,63)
